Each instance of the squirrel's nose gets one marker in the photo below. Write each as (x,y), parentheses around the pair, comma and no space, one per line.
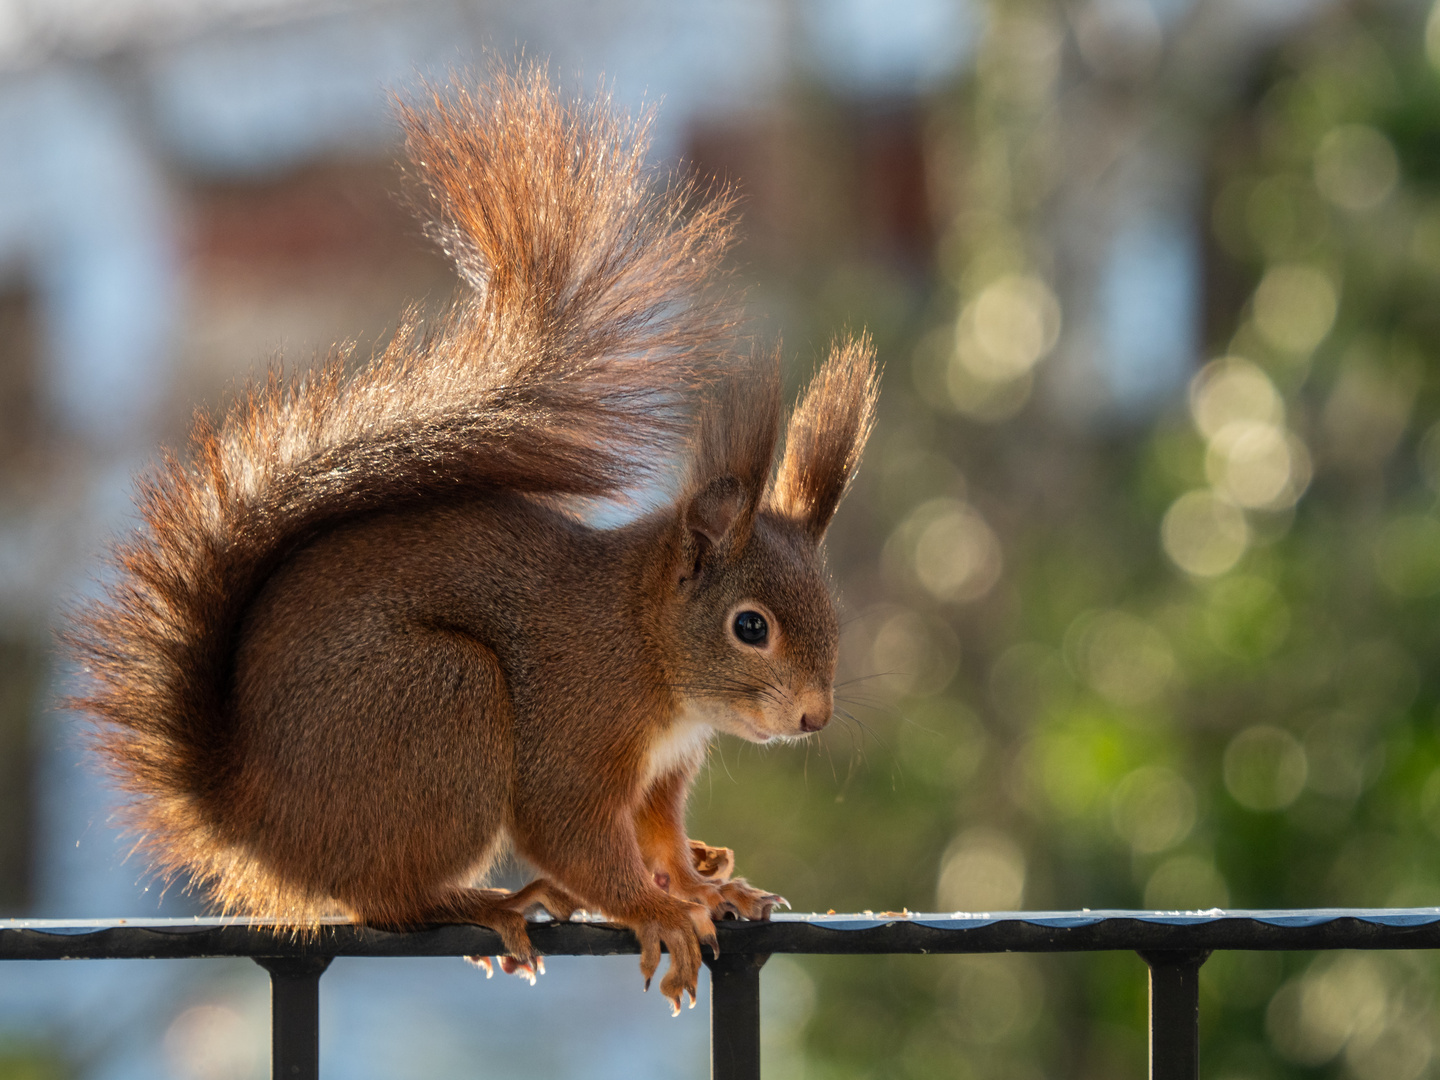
(815,709)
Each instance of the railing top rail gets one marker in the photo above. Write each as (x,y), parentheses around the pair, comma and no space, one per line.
(867,932)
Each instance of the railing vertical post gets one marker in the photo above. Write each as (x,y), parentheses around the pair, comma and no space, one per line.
(1175,1012)
(735,1016)
(294,1015)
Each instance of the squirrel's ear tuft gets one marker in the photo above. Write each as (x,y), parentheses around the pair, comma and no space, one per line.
(826,436)
(734,451)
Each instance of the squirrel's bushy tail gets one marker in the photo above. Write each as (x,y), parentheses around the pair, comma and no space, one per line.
(592,313)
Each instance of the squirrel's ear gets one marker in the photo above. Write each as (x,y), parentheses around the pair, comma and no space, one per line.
(733,452)
(718,518)
(715,510)
(826,436)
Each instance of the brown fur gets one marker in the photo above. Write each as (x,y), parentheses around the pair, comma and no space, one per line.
(826,435)
(355,647)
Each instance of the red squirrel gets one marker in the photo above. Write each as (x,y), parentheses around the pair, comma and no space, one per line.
(362,642)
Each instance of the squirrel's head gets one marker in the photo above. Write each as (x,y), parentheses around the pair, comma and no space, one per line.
(756,623)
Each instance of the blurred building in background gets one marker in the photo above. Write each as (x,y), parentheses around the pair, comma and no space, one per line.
(1140,572)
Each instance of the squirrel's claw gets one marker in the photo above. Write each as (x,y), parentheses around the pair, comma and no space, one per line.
(704,930)
(714,943)
(679,997)
(649,935)
(528,970)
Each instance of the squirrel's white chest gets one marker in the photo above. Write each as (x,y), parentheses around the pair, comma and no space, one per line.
(681,745)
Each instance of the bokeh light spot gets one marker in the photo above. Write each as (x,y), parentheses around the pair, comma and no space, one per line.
(1311,1018)
(1186,883)
(952,551)
(915,655)
(1153,809)
(1232,389)
(1337,758)
(1407,555)
(1369,407)
(1427,454)
(1123,657)
(1204,535)
(211,1042)
(992,997)
(1007,328)
(981,870)
(1356,167)
(1425,240)
(1265,768)
(983,400)
(1401,1049)
(1285,216)
(1295,307)
(1432,35)
(1257,465)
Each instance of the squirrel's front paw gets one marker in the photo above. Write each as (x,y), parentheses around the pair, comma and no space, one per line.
(738,899)
(725,898)
(682,930)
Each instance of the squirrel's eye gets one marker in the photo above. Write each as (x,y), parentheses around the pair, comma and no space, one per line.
(751,628)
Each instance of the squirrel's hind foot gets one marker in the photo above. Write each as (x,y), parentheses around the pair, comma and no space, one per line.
(495,909)
(507,906)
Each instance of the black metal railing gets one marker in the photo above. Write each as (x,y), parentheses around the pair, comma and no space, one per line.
(1173,944)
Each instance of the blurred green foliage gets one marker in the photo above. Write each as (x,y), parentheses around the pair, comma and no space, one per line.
(1180,663)
(21,1060)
